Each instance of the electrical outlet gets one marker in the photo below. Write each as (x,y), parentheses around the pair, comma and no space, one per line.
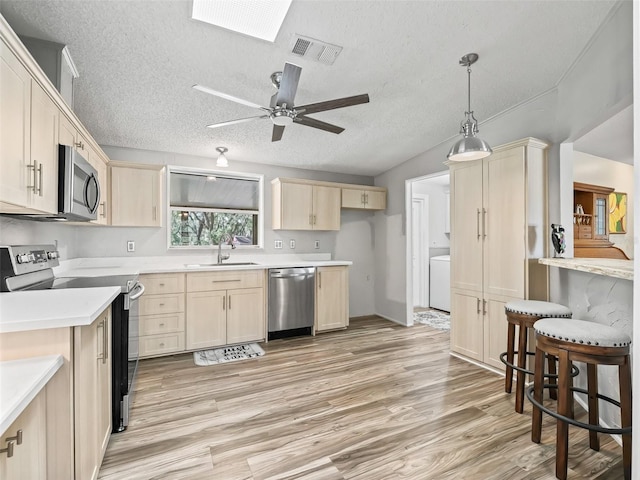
(277,244)
(316,244)
(292,244)
(131,246)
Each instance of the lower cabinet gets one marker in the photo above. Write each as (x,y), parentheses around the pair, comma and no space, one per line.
(78,396)
(332,298)
(480,329)
(28,459)
(162,326)
(224,308)
(92,394)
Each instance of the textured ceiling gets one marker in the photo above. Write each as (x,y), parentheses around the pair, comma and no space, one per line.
(138,60)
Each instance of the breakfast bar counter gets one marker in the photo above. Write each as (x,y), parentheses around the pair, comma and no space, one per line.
(610,267)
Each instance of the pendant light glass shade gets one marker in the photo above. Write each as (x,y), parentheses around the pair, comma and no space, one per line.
(470,147)
(222,159)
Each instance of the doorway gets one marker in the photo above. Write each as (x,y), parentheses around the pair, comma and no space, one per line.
(427,223)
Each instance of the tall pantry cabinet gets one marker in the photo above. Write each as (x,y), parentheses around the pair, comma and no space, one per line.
(498,231)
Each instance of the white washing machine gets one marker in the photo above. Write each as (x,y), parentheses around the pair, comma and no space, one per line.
(440,282)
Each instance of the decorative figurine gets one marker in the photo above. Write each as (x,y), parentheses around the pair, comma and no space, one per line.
(557,237)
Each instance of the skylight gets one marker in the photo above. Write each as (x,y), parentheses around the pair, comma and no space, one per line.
(257,18)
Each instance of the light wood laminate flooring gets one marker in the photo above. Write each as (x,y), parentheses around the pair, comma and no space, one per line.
(376,401)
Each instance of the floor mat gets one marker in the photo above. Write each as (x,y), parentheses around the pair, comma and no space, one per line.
(227,354)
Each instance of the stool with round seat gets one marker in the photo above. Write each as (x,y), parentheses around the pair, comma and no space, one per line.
(594,344)
(523,314)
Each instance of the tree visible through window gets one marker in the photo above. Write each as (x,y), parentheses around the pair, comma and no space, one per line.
(206,210)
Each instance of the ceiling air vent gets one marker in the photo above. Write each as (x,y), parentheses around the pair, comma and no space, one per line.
(315,49)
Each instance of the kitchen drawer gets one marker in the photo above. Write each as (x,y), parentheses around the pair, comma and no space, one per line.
(205,281)
(163,283)
(161,324)
(159,304)
(152,345)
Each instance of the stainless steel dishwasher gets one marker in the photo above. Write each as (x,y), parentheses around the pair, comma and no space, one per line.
(291,301)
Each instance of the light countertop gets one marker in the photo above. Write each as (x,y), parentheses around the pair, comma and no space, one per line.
(40,309)
(610,267)
(21,381)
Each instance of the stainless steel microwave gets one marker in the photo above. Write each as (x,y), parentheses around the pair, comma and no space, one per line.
(78,186)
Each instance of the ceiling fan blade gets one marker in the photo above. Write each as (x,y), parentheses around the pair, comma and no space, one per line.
(333,104)
(278,130)
(288,84)
(210,91)
(233,122)
(312,122)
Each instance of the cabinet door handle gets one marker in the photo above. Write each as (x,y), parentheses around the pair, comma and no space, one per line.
(224,302)
(366,199)
(484,223)
(8,450)
(17,437)
(319,279)
(155,212)
(105,336)
(229,303)
(314,220)
(40,167)
(362,198)
(477,305)
(101,354)
(104,209)
(34,167)
(478,222)
(310,219)
(484,307)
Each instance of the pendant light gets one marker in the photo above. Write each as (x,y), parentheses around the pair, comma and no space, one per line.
(469,147)
(222,159)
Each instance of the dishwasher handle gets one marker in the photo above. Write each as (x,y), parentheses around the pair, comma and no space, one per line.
(289,275)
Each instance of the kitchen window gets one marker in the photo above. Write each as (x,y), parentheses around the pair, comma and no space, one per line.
(207,208)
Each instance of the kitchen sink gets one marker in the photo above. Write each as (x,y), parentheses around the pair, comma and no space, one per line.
(225,264)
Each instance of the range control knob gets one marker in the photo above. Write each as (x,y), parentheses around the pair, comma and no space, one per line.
(23,258)
(52,255)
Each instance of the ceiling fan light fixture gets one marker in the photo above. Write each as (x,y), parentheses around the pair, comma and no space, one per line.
(283,117)
(470,147)
(222,159)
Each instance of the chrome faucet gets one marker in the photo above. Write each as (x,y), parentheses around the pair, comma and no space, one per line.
(224,256)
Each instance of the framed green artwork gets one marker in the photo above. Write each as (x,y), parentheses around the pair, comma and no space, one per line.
(617,212)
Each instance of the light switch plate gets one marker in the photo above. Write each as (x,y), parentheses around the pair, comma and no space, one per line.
(292,244)
(131,246)
(316,244)
(277,244)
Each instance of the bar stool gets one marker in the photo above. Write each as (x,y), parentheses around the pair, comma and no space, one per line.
(593,344)
(524,313)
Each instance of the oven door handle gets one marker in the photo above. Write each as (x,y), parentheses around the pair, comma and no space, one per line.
(135,296)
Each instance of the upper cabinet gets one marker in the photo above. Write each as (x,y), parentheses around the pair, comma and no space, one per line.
(35,119)
(300,204)
(369,198)
(303,205)
(136,194)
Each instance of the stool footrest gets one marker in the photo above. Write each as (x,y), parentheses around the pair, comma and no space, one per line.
(571,421)
(574,370)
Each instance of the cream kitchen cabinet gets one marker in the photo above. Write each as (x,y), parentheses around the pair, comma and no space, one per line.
(78,420)
(92,394)
(29,449)
(28,142)
(224,308)
(370,198)
(499,229)
(305,205)
(135,194)
(162,312)
(332,298)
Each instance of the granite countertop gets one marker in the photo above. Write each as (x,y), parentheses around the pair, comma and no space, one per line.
(41,309)
(21,381)
(610,267)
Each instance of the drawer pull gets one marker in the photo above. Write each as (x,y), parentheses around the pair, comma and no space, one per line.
(162,284)
(162,324)
(162,304)
(162,344)
(17,437)
(225,281)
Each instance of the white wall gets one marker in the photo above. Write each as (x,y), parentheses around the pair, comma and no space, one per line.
(598,85)
(609,173)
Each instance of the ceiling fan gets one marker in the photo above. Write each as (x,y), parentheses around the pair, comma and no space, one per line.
(281,110)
